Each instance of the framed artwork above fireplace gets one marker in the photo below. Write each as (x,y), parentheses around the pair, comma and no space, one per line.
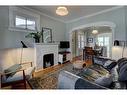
(46,35)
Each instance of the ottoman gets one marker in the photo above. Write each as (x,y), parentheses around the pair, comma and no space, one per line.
(78,64)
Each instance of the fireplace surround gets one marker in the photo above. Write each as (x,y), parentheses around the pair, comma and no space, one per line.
(47,52)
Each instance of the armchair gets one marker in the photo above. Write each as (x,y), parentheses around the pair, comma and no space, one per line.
(17,75)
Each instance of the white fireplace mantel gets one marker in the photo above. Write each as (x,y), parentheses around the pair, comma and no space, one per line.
(44,48)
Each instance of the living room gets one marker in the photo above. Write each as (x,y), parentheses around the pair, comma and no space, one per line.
(53,51)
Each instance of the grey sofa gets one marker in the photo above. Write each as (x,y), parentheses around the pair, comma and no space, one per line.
(67,80)
(116,70)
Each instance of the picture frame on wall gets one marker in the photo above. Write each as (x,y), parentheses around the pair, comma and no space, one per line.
(46,35)
(90,40)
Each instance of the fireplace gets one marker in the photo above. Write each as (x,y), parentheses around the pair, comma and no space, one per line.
(48,60)
(46,54)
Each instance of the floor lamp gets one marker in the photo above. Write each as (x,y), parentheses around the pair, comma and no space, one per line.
(23,46)
(124,44)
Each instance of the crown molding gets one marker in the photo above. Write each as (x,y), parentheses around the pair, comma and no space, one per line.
(97,13)
(40,13)
(94,14)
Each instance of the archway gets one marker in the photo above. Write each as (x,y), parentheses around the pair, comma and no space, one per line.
(96,24)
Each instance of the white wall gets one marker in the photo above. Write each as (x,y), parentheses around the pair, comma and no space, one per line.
(58,28)
(117,52)
(116,16)
(11,39)
(10,46)
(11,56)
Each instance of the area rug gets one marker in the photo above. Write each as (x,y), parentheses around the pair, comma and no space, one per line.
(50,80)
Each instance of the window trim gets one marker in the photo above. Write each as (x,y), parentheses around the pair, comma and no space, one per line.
(23,12)
(26,25)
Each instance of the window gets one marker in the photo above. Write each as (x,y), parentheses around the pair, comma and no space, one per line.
(105,40)
(20,22)
(100,41)
(23,20)
(25,23)
(31,24)
(81,42)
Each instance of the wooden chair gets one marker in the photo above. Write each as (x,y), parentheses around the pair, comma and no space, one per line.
(19,77)
(12,82)
(88,53)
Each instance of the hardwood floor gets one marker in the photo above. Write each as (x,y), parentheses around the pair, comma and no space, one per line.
(56,67)
(50,69)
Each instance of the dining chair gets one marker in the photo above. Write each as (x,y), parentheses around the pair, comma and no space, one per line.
(88,53)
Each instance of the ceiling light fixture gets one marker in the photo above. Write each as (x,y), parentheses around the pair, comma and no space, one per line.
(95,31)
(62,11)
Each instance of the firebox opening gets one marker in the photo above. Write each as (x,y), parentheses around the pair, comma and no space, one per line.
(48,60)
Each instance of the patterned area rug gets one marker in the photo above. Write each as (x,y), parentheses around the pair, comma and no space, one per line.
(49,81)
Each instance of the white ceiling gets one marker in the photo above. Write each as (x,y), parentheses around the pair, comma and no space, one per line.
(75,12)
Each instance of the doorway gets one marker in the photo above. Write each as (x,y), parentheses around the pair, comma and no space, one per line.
(85,37)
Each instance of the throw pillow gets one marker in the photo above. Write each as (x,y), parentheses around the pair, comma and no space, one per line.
(99,60)
(109,64)
(104,80)
(121,63)
(123,73)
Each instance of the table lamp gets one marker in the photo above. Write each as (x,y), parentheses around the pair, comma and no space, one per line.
(116,43)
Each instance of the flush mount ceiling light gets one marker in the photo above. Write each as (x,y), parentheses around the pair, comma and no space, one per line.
(62,11)
(95,31)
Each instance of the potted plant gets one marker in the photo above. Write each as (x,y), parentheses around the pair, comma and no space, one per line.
(35,35)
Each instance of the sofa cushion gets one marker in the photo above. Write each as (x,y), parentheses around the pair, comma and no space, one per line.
(15,77)
(104,80)
(66,80)
(122,69)
(104,62)
(99,60)
(121,62)
(85,84)
(123,73)
(109,64)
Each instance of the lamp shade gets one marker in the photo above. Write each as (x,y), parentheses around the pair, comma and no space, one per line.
(116,43)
